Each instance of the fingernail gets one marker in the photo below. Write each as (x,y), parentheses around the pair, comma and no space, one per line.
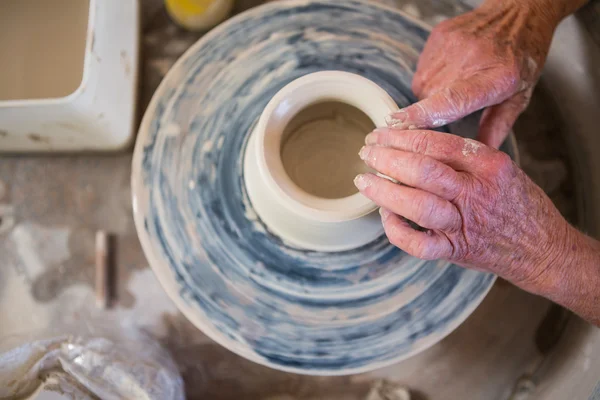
(361,182)
(384,213)
(364,152)
(397,119)
(371,139)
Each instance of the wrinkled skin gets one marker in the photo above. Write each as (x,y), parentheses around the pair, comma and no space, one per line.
(479,210)
(476,207)
(489,58)
(467,195)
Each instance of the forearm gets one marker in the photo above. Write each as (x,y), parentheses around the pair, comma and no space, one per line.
(564,8)
(554,10)
(560,8)
(571,276)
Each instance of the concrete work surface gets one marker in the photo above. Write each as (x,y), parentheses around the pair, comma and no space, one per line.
(514,346)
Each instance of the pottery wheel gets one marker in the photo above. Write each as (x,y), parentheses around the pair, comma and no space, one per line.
(294,310)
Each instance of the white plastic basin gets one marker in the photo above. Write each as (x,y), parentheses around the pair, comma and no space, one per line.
(68,74)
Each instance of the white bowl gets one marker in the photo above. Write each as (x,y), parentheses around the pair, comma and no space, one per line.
(68,79)
(300,218)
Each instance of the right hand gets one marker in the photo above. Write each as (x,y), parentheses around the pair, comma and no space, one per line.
(479,209)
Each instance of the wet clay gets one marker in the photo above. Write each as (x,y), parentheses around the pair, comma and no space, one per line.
(320,148)
(42,47)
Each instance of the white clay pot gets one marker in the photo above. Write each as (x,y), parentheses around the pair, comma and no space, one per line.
(303,155)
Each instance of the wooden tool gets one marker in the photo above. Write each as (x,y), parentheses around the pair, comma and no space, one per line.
(103,291)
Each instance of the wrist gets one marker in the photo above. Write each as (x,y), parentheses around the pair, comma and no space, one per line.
(544,268)
(569,273)
(559,9)
(551,12)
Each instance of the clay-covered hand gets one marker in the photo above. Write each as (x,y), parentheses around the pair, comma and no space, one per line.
(489,58)
(478,208)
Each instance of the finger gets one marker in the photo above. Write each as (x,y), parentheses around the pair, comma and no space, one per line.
(453,103)
(497,121)
(413,169)
(425,245)
(457,152)
(423,208)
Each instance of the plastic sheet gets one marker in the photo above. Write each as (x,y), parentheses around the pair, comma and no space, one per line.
(90,368)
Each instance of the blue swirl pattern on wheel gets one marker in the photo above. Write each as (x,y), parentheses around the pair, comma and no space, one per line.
(302,311)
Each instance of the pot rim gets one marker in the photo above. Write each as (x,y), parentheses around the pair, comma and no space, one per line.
(311,89)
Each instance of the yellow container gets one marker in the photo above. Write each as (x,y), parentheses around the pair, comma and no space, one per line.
(199,15)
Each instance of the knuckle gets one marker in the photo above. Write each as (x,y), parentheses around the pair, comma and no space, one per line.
(459,250)
(498,167)
(503,163)
(389,140)
(421,142)
(454,222)
(455,186)
(430,170)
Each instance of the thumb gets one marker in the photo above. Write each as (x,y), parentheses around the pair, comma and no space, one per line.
(450,104)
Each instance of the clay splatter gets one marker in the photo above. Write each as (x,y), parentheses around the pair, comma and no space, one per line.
(471,147)
(34,137)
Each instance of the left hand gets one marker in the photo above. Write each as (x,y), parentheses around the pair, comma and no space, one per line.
(489,58)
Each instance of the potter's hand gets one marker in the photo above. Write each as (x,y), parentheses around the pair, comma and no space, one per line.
(479,210)
(491,57)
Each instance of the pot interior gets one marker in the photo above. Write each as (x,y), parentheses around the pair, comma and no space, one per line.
(320,145)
